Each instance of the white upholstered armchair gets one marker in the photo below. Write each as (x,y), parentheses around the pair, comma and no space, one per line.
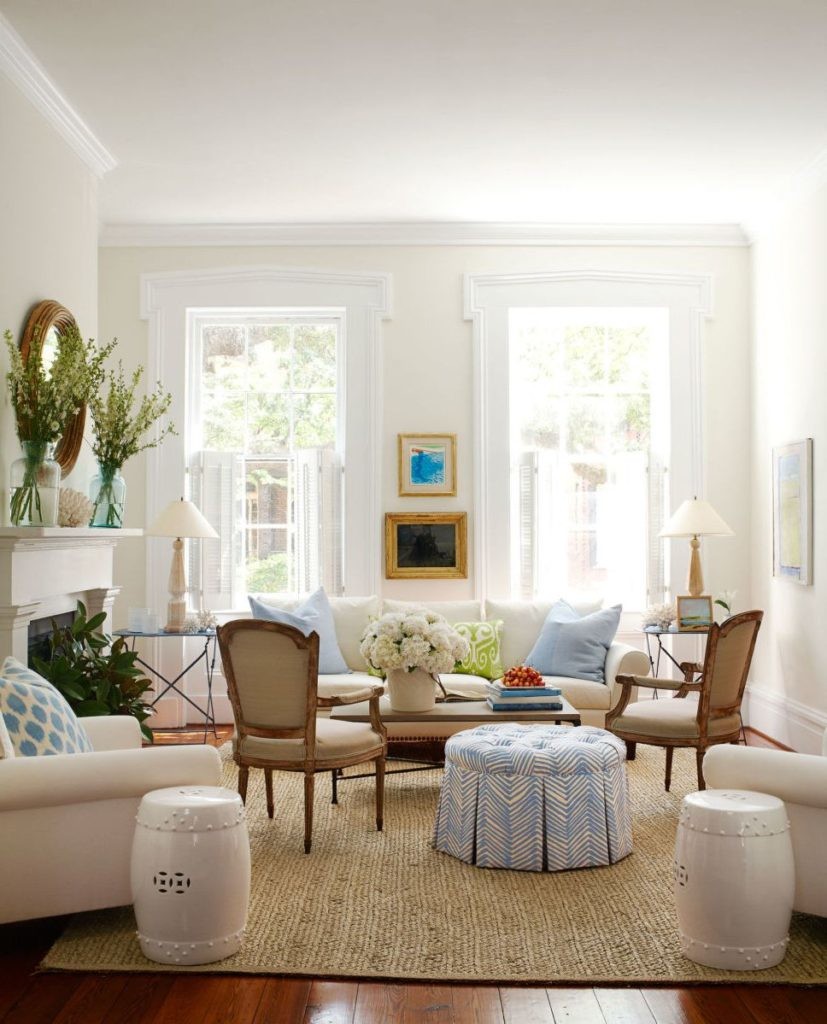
(800,780)
(66,821)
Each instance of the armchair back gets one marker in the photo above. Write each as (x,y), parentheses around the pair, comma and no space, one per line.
(727,662)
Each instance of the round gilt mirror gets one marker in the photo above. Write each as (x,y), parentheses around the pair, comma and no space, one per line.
(46,322)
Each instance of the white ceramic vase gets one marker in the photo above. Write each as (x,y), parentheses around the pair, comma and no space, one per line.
(413,691)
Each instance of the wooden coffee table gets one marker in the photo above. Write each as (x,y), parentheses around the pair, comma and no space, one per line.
(472,712)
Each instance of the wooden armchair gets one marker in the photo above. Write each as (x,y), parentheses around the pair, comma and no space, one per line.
(272,677)
(676,722)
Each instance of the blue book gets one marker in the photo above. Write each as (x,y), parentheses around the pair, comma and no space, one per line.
(546,705)
(523,691)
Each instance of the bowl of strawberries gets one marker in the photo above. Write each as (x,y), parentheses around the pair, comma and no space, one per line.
(521,676)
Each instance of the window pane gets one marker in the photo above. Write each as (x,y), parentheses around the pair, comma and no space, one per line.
(629,424)
(267,493)
(267,560)
(268,424)
(583,571)
(628,354)
(223,357)
(584,481)
(584,357)
(585,430)
(314,421)
(269,357)
(541,423)
(223,420)
(314,358)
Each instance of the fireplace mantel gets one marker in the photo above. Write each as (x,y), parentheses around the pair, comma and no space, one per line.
(46,570)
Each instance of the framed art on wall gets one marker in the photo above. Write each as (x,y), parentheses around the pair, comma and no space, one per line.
(429,545)
(792,511)
(427,464)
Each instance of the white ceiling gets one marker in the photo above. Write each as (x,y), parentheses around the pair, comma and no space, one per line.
(615,111)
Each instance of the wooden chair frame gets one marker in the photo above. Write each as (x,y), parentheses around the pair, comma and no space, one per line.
(309,765)
(689,684)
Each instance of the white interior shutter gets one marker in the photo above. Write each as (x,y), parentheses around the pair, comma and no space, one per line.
(655,518)
(318,511)
(220,498)
(527,520)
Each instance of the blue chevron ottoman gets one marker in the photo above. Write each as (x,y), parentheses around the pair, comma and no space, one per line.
(534,798)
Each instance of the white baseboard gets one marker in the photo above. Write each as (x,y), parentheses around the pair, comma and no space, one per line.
(788,721)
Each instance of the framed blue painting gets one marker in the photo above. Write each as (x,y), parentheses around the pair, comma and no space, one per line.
(427,464)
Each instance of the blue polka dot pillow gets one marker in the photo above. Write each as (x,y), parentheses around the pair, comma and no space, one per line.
(36,716)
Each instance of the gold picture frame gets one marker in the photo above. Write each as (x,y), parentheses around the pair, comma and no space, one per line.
(694,614)
(427,465)
(426,545)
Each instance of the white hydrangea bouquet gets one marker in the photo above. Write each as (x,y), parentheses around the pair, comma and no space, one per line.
(411,640)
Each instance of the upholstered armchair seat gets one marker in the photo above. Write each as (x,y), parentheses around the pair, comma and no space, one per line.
(671,717)
(334,740)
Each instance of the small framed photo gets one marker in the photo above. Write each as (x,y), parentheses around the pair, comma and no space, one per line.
(694,613)
(792,511)
(430,545)
(427,464)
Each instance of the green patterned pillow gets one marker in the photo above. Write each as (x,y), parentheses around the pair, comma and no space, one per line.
(484,657)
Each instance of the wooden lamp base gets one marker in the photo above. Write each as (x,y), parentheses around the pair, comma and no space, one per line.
(177,607)
(695,580)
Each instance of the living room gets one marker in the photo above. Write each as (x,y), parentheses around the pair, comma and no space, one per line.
(465,161)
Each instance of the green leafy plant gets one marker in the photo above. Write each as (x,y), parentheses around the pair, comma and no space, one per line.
(96,674)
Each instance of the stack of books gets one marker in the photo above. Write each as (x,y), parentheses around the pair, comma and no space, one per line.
(524,698)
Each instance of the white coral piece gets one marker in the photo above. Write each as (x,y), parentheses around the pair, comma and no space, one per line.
(74,508)
(660,615)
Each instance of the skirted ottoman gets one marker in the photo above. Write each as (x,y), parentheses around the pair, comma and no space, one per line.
(534,798)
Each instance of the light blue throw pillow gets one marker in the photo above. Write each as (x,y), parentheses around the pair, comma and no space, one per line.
(574,646)
(37,718)
(313,615)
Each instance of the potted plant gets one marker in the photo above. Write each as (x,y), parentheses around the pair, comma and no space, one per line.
(411,648)
(118,430)
(96,674)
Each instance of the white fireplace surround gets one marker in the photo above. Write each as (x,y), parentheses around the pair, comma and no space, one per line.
(45,571)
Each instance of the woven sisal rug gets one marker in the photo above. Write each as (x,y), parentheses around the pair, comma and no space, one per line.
(368,904)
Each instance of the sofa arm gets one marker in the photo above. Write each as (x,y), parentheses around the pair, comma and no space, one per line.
(623,660)
(112,732)
(794,778)
(51,781)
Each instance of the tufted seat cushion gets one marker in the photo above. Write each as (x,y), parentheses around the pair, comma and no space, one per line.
(534,798)
(335,740)
(673,717)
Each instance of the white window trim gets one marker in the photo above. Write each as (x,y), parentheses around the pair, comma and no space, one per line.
(488,298)
(165,299)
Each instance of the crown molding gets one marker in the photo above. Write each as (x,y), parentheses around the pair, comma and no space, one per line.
(20,66)
(420,233)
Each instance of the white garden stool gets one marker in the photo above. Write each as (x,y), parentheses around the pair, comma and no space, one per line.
(734,879)
(190,874)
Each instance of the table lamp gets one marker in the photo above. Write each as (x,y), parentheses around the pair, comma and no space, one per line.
(179,519)
(696,519)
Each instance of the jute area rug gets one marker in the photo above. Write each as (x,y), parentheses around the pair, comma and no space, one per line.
(368,904)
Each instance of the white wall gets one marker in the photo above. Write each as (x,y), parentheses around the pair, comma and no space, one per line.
(428,368)
(48,228)
(788,696)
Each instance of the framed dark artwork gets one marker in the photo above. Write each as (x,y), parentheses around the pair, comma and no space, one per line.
(428,545)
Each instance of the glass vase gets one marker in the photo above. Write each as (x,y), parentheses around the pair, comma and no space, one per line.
(108,492)
(35,486)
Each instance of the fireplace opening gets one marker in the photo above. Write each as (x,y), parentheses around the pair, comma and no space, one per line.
(41,629)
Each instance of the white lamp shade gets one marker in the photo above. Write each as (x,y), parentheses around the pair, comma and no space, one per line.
(696,518)
(181,519)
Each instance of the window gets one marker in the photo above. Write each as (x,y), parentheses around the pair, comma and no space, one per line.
(588,425)
(265,460)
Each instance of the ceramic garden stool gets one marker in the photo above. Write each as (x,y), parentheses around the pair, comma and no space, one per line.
(190,874)
(734,879)
(534,798)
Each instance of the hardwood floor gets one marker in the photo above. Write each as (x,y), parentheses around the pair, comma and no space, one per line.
(30,998)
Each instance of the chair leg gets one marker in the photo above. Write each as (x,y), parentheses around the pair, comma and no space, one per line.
(669,752)
(380,793)
(243,774)
(309,779)
(268,783)
(699,761)
(631,750)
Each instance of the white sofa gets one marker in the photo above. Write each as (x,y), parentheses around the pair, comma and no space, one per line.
(522,622)
(800,780)
(66,821)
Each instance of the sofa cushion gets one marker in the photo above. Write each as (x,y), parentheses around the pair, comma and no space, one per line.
(484,649)
(573,645)
(313,614)
(6,748)
(522,622)
(37,717)
(453,611)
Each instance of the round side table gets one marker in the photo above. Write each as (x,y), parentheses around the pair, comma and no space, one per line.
(190,874)
(734,879)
